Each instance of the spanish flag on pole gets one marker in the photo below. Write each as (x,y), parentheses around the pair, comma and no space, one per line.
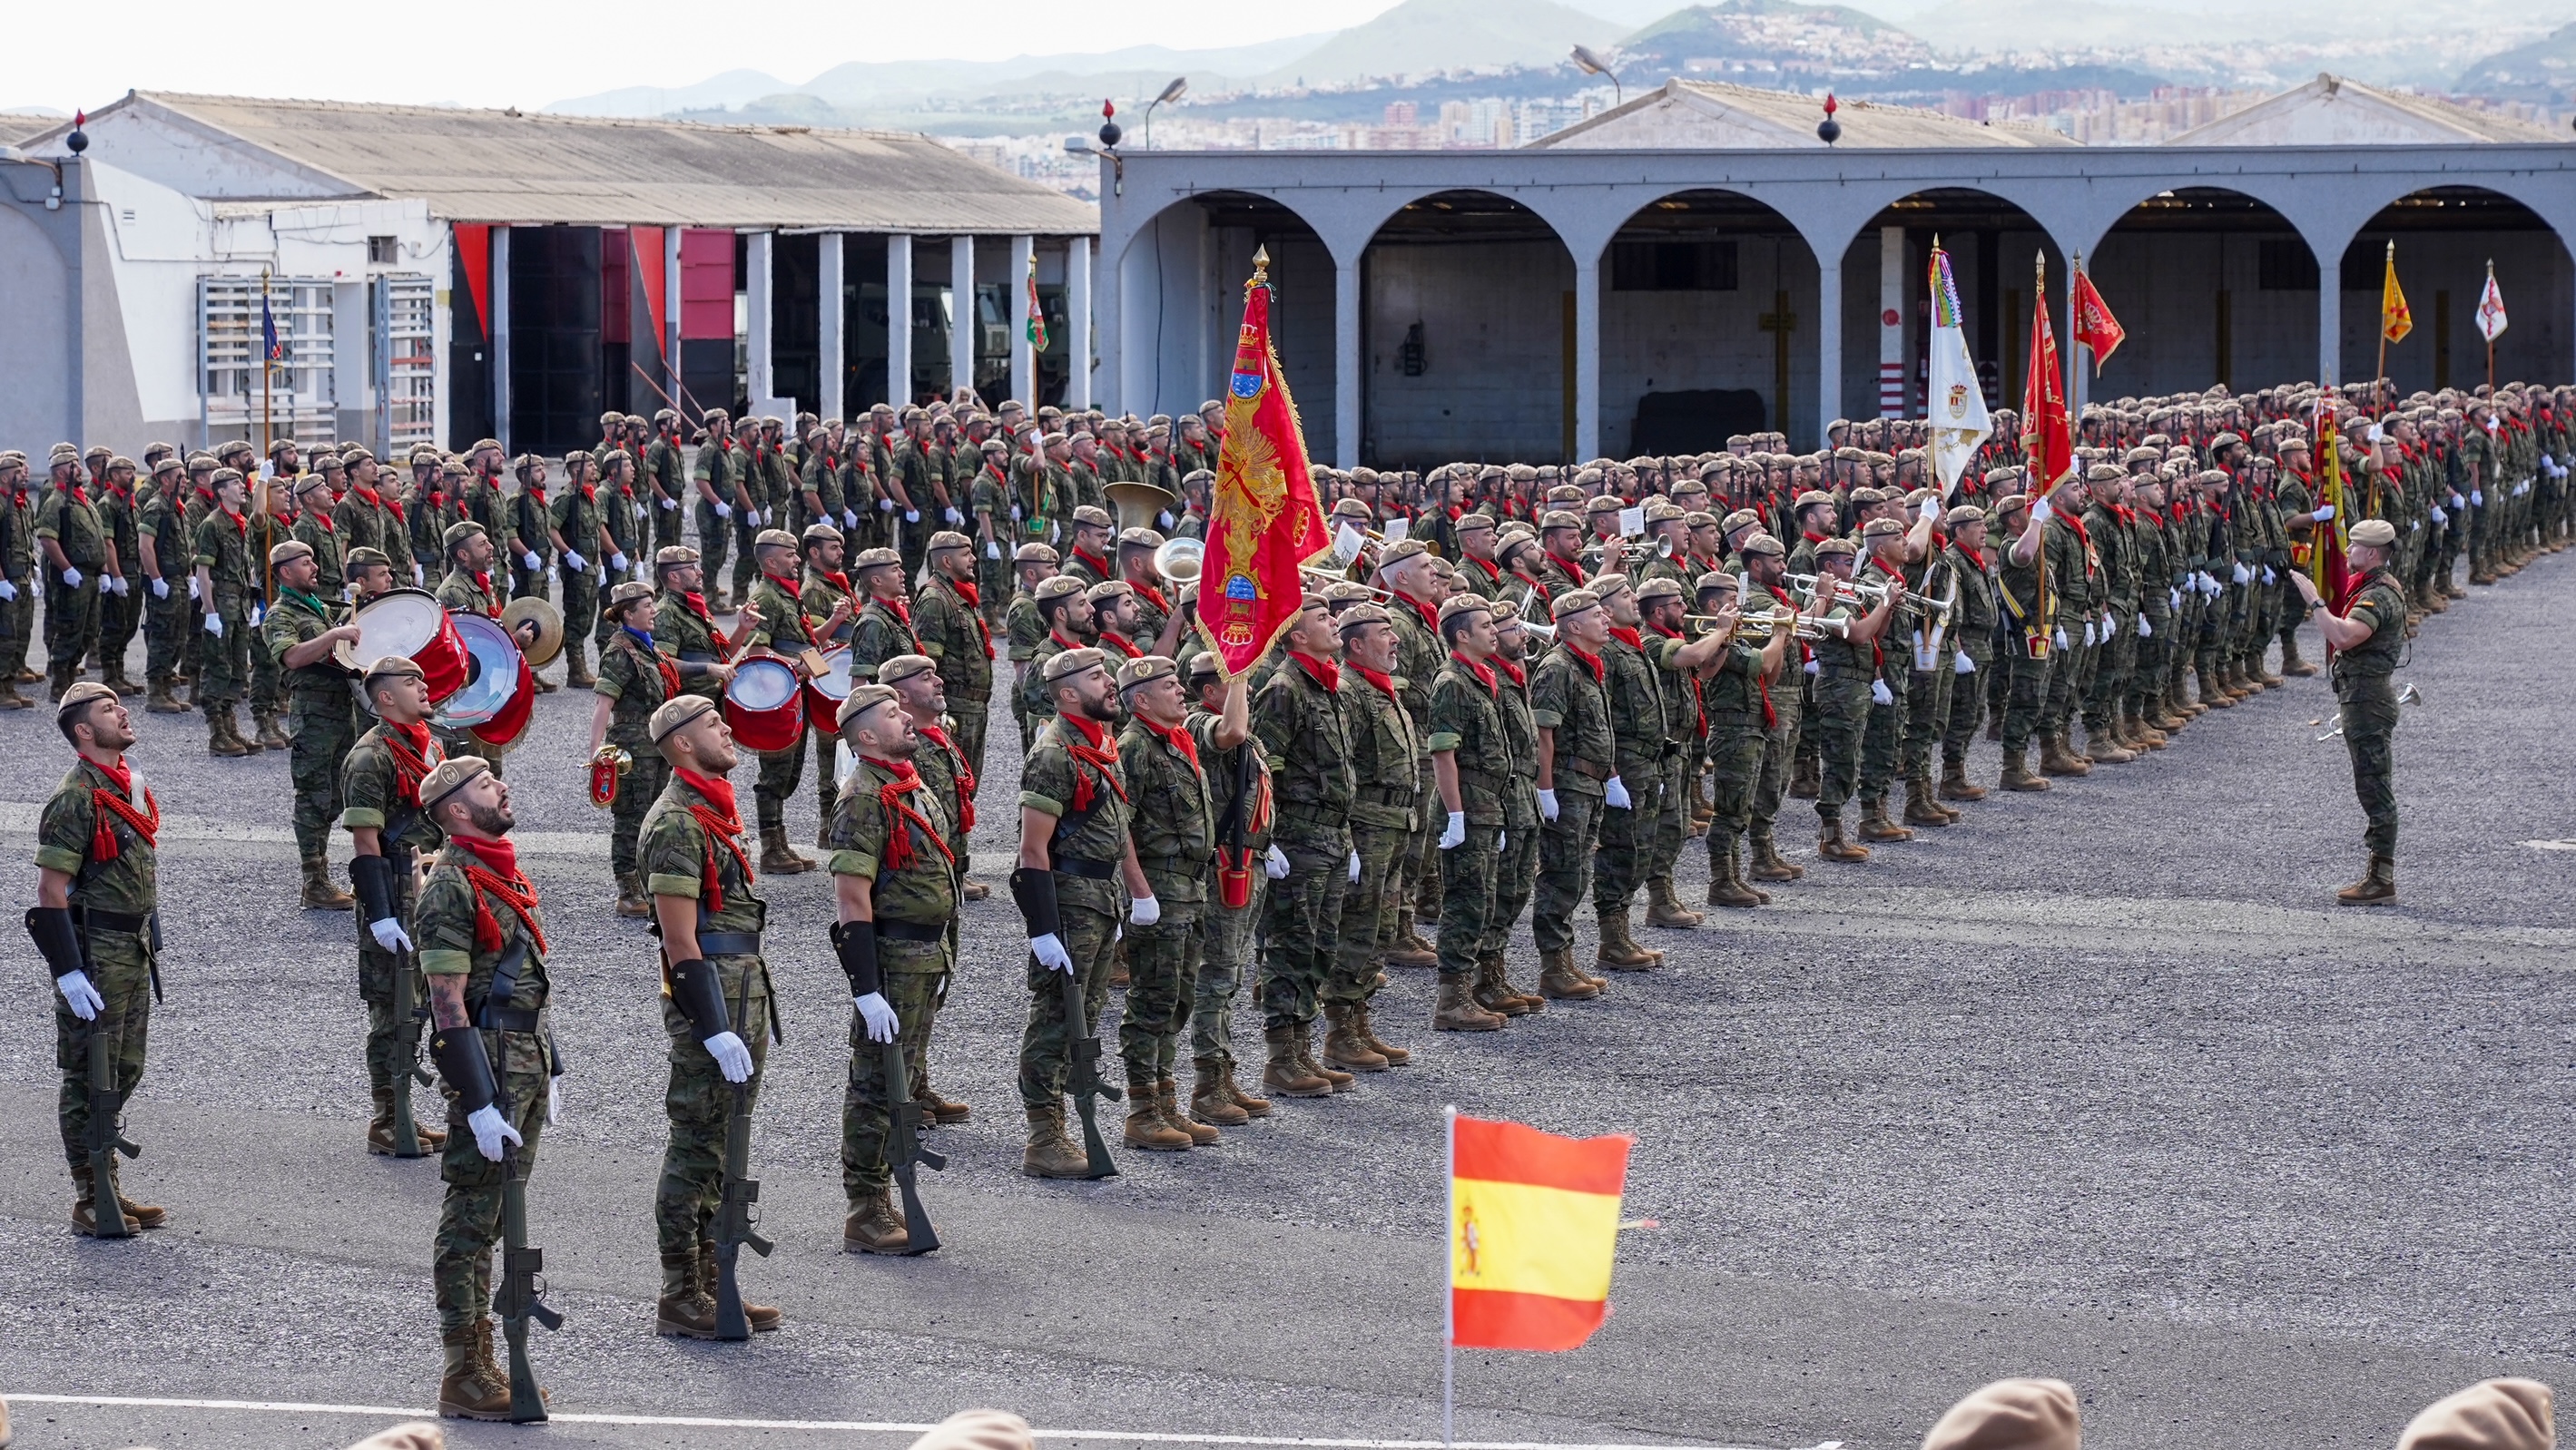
(1533,1227)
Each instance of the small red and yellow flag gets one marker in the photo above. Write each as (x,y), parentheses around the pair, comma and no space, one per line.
(2394,320)
(1533,1228)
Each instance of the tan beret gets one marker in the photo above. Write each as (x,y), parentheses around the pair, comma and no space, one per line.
(978,1430)
(1864,497)
(1715,579)
(2015,1414)
(1662,586)
(1072,662)
(1139,539)
(290,550)
(774,539)
(675,712)
(1762,544)
(1108,590)
(2011,503)
(877,558)
(1350,508)
(1603,503)
(80,697)
(63,453)
(364,557)
(1965,514)
(2497,1414)
(1091,516)
(947,539)
(393,666)
(1036,554)
(819,533)
(1559,519)
(1363,614)
(452,774)
(1461,604)
(670,554)
(863,698)
(1573,602)
(453,537)
(234,475)
(1145,669)
(1658,510)
(1812,498)
(2376,533)
(1056,586)
(904,667)
(1739,519)
(1346,592)
(1472,521)
(1609,584)
(1401,550)
(1880,528)
(625,594)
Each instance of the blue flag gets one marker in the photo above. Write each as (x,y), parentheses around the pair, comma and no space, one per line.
(270,348)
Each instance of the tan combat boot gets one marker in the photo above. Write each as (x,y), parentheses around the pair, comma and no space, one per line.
(2055,759)
(1618,951)
(1559,981)
(1145,1126)
(632,901)
(2018,774)
(1875,827)
(1803,780)
(1252,1106)
(940,1110)
(1210,1102)
(1305,1044)
(1457,1009)
(1663,908)
(320,892)
(1770,865)
(1410,950)
(1955,785)
(1726,884)
(1830,845)
(762,1317)
(1495,991)
(1167,1101)
(272,736)
(1285,1074)
(777,858)
(162,701)
(2102,748)
(1919,809)
(1395,1056)
(2377,887)
(685,1310)
(84,1220)
(471,1389)
(2212,697)
(1050,1154)
(874,1227)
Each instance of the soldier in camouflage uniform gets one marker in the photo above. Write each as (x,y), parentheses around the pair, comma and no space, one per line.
(1385,754)
(1023,626)
(1064,612)
(1471,762)
(1306,732)
(576,529)
(683,629)
(94,924)
(915,681)
(120,610)
(635,679)
(999,529)
(1075,853)
(314,529)
(953,628)
(1172,830)
(625,525)
(2025,629)
(720,496)
(894,877)
(366,519)
(1086,555)
(301,632)
(665,483)
(77,557)
(716,1003)
(468,589)
(1570,706)
(223,598)
(1240,777)
(493,1043)
(2368,635)
(1633,795)
(786,628)
(1735,695)
(1971,637)
(161,578)
(380,809)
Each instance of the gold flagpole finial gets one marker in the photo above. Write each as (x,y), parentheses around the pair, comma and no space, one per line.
(1260,268)
(2392,249)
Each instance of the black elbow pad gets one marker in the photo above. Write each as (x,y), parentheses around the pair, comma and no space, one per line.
(1034,892)
(373,877)
(458,1051)
(700,996)
(856,942)
(56,939)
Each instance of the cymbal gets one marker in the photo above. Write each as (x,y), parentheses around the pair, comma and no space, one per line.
(550,628)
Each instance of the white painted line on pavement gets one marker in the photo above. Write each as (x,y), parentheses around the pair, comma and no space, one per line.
(864,1427)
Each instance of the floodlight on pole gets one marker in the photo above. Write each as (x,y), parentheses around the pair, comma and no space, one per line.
(1587,60)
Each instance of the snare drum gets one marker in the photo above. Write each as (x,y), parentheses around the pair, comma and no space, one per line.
(765,703)
(499,694)
(408,622)
(825,692)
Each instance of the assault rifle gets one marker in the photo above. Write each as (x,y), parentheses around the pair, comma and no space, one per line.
(520,1296)
(105,1137)
(734,1218)
(409,1013)
(1082,1078)
(907,1150)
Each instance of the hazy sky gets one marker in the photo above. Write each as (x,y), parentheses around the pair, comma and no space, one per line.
(530,52)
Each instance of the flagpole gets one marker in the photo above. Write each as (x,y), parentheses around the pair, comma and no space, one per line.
(2032,436)
(2379,381)
(267,367)
(1449,1279)
(2482,327)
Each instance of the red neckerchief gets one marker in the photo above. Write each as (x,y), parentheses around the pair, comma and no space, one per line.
(722,822)
(589,494)
(1493,572)
(1099,565)
(2352,588)
(1430,616)
(241,525)
(1812,537)
(669,672)
(1973,556)
(1511,671)
(1327,673)
(499,875)
(409,745)
(1053,634)
(535,491)
(965,773)
(1178,737)
(79,495)
(696,603)
(483,581)
(1096,749)
(1698,688)
(2077,525)
(901,606)
(786,582)
(1120,643)
(967,591)
(839,580)
(1627,634)
(324,520)
(1384,682)
(1600,675)
(1484,673)
(117,802)
(1151,595)
(900,817)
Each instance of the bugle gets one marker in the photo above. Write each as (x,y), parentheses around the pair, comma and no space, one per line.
(1764,624)
(1179,560)
(1322,576)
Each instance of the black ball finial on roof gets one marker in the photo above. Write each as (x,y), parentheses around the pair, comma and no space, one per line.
(1109,132)
(78,140)
(1829,130)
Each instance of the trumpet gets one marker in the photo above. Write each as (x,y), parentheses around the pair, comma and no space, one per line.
(1914,605)
(1765,625)
(1593,551)
(1326,576)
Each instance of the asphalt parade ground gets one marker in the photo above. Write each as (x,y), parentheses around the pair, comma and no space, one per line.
(2099,1085)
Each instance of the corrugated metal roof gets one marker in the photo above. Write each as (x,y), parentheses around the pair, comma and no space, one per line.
(2425,120)
(528,167)
(1790,118)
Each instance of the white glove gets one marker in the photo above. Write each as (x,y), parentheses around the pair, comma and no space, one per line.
(2244,575)
(1050,953)
(2324,514)
(1932,510)
(1355,868)
(2269,577)
(575,562)
(71,578)
(489,1131)
(2042,511)
(850,518)
(1614,794)
(2439,516)
(2089,641)
(992,549)
(733,1059)
(2478,497)
(554,1100)
(390,935)
(669,504)
(878,1013)
(1879,694)
(160,588)
(2457,501)
(1144,911)
(723,510)
(80,996)
(530,560)
(2145,630)
(258,612)
(617,562)
(2061,636)
(912,516)
(1274,864)
(9,591)
(1015,513)
(1501,839)
(1455,833)
(954,517)
(1547,805)
(215,625)
(2173,599)
(1960,664)
(122,585)
(885,505)
(1814,668)
(2208,584)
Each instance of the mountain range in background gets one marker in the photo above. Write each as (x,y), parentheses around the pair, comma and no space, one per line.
(1904,51)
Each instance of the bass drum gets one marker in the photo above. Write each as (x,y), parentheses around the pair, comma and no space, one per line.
(764,703)
(410,623)
(825,692)
(499,695)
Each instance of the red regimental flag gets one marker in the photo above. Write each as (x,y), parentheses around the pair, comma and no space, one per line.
(2095,327)
(2048,442)
(1264,519)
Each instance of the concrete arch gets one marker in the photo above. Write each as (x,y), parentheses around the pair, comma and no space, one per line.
(1164,281)
(1987,230)
(2445,238)
(2199,275)
(1682,274)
